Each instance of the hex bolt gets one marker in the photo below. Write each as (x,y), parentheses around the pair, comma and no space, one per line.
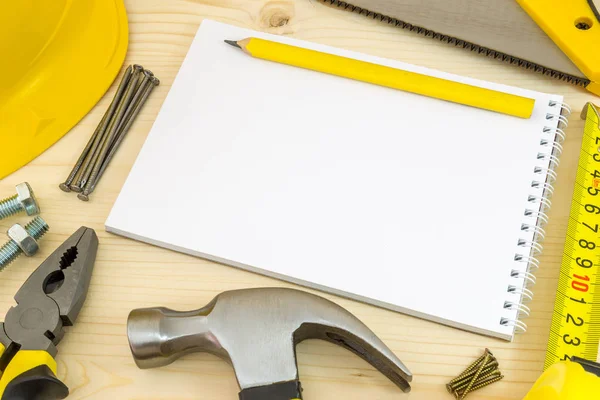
(22,240)
(24,200)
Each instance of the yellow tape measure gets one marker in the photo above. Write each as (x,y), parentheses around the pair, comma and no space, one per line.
(575,329)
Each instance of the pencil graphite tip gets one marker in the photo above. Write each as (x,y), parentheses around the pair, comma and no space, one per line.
(233,43)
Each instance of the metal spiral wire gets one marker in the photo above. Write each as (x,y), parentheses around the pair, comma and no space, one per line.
(529,248)
(557,148)
(526,294)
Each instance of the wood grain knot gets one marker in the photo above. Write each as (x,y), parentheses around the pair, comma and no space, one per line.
(278,20)
(276,15)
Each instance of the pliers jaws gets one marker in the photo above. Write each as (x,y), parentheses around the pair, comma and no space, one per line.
(53,295)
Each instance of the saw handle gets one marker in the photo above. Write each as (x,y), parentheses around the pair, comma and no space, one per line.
(574,26)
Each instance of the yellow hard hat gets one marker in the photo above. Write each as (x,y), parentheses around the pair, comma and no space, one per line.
(59,58)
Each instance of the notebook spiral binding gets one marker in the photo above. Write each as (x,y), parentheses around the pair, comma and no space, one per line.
(538,204)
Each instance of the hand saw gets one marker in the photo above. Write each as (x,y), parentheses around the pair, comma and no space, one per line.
(558,38)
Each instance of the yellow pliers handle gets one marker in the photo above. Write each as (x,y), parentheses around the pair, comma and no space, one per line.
(31,375)
(574,25)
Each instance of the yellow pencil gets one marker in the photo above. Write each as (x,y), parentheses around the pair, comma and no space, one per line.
(389,77)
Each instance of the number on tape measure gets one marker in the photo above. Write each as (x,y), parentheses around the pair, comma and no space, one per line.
(575,329)
(587,245)
(572,320)
(584,262)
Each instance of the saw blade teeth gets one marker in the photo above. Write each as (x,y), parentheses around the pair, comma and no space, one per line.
(583,82)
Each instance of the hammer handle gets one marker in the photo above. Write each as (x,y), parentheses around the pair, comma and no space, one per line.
(291,390)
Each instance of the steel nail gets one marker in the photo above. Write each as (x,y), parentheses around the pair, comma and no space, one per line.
(77,185)
(114,123)
(123,129)
(65,186)
(146,82)
(94,151)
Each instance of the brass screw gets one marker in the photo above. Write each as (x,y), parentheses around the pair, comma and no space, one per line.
(476,376)
(461,382)
(470,369)
(482,372)
(484,375)
(487,382)
(493,377)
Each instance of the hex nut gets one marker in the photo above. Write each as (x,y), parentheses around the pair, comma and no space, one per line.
(27,198)
(23,239)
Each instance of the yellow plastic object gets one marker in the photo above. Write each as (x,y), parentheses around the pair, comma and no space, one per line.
(565,381)
(23,361)
(390,77)
(575,328)
(58,58)
(575,28)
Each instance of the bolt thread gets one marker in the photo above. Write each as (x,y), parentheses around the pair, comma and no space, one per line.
(8,253)
(37,227)
(10,206)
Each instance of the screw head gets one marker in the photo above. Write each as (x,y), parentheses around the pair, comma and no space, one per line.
(23,239)
(27,198)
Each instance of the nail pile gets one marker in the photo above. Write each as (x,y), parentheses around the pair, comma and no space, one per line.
(484,371)
(133,91)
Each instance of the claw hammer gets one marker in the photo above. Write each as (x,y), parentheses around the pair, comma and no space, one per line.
(257,330)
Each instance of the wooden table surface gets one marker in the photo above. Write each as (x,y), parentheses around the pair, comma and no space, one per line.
(94,358)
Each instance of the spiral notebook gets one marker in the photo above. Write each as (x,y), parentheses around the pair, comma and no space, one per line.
(414,204)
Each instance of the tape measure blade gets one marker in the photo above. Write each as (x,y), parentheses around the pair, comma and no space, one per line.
(575,327)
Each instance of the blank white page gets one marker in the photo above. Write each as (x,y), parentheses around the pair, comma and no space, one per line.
(399,200)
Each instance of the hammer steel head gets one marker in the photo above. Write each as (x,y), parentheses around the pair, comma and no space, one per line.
(257,330)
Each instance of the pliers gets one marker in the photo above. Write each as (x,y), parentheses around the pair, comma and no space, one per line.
(49,300)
